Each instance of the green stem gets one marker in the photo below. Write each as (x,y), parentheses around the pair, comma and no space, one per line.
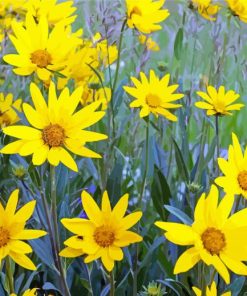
(212,277)
(217,143)
(204,285)
(112,284)
(9,275)
(64,285)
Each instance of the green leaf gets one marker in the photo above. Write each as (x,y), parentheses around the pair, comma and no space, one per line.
(178,43)
(179,214)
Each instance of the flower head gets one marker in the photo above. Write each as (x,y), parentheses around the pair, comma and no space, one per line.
(234,180)
(154,95)
(218,102)
(206,8)
(29,292)
(13,232)
(144,15)
(38,50)
(149,43)
(104,233)
(210,291)
(214,237)
(56,129)
(8,114)
(238,8)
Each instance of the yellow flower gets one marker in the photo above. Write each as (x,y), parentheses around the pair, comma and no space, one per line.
(54,12)
(206,8)
(38,50)
(56,128)
(104,233)
(214,237)
(29,292)
(238,8)
(218,102)
(102,95)
(12,231)
(154,96)
(144,15)
(8,114)
(149,42)
(234,180)
(212,291)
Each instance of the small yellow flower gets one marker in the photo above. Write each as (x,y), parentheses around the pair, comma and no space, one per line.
(8,113)
(149,42)
(29,292)
(234,180)
(56,129)
(210,291)
(12,231)
(238,8)
(214,237)
(104,233)
(91,95)
(144,15)
(38,50)
(56,13)
(154,96)
(206,8)
(218,102)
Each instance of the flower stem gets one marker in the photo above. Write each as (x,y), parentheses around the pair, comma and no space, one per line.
(9,275)
(212,277)
(64,285)
(217,143)
(112,284)
(203,283)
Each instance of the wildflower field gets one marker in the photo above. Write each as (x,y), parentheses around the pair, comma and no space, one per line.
(123,147)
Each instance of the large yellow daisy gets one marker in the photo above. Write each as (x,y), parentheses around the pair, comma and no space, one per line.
(210,291)
(238,8)
(214,237)
(218,102)
(104,233)
(8,114)
(154,95)
(234,169)
(13,232)
(56,128)
(144,15)
(38,50)
(206,8)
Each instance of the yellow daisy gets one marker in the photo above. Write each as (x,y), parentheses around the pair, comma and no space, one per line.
(29,292)
(218,102)
(38,50)
(104,233)
(8,113)
(13,232)
(234,169)
(91,95)
(214,237)
(144,15)
(238,8)
(210,291)
(56,128)
(154,96)
(56,13)
(149,43)
(206,8)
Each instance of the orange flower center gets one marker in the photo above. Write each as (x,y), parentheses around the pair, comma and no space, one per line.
(4,237)
(213,240)
(242,179)
(41,58)
(153,100)
(136,10)
(53,135)
(4,119)
(104,236)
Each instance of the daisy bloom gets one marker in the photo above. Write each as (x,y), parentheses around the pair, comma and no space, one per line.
(8,109)
(234,180)
(56,13)
(144,15)
(104,233)
(210,291)
(218,102)
(56,129)
(238,8)
(154,95)
(38,50)
(29,292)
(13,232)
(206,9)
(214,237)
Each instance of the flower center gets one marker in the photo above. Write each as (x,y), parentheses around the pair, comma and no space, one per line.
(41,58)
(153,100)
(242,179)
(213,240)
(136,10)
(104,236)
(4,237)
(53,135)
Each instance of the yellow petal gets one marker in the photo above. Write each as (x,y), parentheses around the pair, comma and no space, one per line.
(115,253)
(12,204)
(22,260)
(91,208)
(70,253)
(107,261)
(105,204)
(25,212)
(22,132)
(187,260)
(130,220)
(29,234)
